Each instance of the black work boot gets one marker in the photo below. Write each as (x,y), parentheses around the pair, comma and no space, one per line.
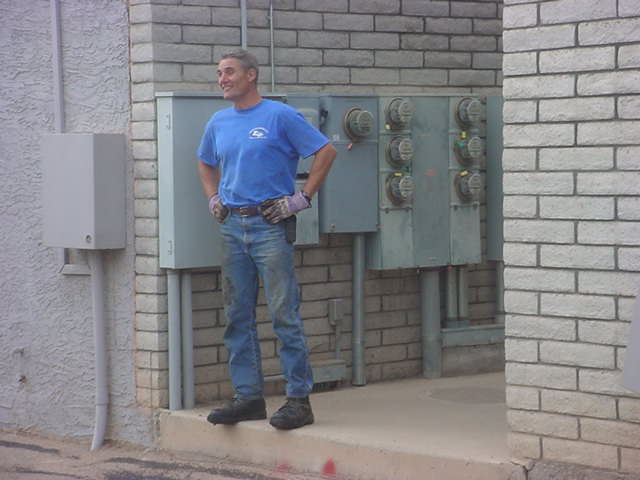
(295,413)
(237,410)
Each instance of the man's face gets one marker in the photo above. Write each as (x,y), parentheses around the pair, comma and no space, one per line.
(234,80)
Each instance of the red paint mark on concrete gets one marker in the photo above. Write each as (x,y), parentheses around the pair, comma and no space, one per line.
(283,467)
(329,468)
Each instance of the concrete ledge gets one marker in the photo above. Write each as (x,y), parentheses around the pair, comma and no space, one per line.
(453,429)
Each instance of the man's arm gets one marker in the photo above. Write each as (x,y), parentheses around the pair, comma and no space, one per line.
(319,169)
(209,177)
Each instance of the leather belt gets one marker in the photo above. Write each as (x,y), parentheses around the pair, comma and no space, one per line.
(250,211)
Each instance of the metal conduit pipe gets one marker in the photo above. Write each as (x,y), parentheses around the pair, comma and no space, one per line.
(358,362)
(188,381)
(272,48)
(100,342)
(452,294)
(58,89)
(430,322)
(463,295)
(499,292)
(243,23)
(175,368)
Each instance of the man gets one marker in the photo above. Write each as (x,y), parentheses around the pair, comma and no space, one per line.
(249,154)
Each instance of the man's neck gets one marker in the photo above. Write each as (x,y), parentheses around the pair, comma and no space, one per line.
(249,100)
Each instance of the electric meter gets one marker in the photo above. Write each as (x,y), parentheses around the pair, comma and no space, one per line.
(400,151)
(358,123)
(468,148)
(469,111)
(468,185)
(399,113)
(400,188)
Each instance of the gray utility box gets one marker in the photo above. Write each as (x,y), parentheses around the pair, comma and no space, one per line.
(84,190)
(189,236)
(349,195)
(429,157)
(494,178)
(392,246)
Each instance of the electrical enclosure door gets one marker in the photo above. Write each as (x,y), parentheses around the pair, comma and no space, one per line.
(348,198)
(494,178)
(189,236)
(465,185)
(431,222)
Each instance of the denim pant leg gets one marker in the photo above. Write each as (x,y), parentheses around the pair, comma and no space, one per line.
(274,258)
(240,291)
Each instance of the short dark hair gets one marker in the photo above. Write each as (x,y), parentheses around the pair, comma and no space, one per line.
(247,59)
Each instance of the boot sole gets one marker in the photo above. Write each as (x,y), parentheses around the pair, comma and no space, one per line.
(234,420)
(307,421)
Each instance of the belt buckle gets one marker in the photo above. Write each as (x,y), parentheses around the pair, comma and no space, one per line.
(244,211)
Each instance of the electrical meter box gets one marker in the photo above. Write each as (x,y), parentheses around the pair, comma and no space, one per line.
(494,178)
(84,190)
(429,158)
(349,195)
(189,236)
(392,246)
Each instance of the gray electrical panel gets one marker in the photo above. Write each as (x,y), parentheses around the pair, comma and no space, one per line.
(349,195)
(466,154)
(84,190)
(430,152)
(392,246)
(189,236)
(494,178)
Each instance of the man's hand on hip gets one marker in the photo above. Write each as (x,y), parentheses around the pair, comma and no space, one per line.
(277,209)
(217,209)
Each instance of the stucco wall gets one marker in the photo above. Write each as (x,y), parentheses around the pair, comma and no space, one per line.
(46,331)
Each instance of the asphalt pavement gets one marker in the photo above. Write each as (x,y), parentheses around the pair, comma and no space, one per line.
(32,457)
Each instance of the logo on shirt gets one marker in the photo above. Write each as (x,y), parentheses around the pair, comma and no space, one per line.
(258,133)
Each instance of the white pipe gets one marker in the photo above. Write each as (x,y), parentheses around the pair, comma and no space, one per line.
(100,340)
(243,23)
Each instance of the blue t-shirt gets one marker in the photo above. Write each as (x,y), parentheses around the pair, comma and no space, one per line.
(257,150)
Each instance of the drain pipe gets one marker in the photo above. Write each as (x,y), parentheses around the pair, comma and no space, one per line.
(272,48)
(358,363)
(463,296)
(100,341)
(243,23)
(452,300)
(95,257)
(173,299)
(188,381)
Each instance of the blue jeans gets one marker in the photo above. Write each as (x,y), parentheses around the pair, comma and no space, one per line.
(254,248)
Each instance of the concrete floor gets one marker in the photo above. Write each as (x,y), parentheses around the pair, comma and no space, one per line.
(448,428)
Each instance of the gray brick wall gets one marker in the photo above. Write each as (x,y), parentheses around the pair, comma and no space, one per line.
(571,269)
(334,46)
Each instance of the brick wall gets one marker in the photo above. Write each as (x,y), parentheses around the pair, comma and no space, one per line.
(571,227)
(330,45)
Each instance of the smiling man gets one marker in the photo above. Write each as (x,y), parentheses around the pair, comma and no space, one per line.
(248,160)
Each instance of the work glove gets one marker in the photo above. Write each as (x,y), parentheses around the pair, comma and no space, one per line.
(277,209)
(217,209)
